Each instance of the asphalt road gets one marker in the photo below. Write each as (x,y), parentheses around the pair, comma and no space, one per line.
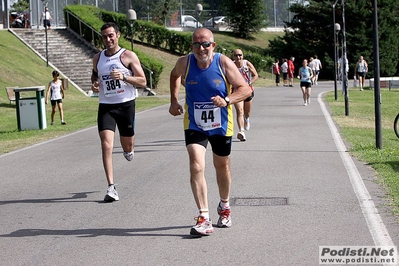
(295,188)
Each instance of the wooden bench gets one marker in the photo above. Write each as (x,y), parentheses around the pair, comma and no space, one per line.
(11,93)
(393,84)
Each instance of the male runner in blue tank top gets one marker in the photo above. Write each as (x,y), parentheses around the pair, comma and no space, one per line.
(208,77)
(116,73)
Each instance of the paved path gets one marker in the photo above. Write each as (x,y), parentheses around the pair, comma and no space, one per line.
(310,191)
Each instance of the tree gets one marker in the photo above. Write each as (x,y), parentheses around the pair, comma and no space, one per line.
(246,16)
(312,33)
(20,6)
(158,10)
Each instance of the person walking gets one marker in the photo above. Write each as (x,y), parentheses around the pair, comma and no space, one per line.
(208,117)
(313,68)
(317,67)
(284,70)
(276,71)
(305,74)
(116,73)
(46,17)
(243,109)
(361,69)
(291,70)
(55,91)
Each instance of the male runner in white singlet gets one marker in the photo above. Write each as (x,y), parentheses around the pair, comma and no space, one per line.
(116,73)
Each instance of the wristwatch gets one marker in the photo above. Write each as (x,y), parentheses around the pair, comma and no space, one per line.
(124,77)
(227,99)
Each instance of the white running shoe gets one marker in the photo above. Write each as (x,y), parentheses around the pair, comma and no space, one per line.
(305,104)
(241,136)
(224,217)
(203,227)
(309,101)
(112,194)
(128,155)
(247,125)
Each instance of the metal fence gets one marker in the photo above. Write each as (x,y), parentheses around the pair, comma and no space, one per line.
(277,10)
(56,9)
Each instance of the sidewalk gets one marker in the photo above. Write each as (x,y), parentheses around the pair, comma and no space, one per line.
(294,189)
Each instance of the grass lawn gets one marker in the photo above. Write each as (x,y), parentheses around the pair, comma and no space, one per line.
(358,129)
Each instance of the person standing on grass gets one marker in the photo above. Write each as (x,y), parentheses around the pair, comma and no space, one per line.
(276,71)
(291,69)
(55,91)
(243,109)
(207,77)
(284,70)
(116,73)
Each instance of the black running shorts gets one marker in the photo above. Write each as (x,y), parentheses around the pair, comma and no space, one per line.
(221,145)
(54,102)
(305,84)
(250,97)
(121,114)
(361,74)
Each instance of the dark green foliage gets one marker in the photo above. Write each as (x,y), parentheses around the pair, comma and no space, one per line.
(246,16)
(147,33)
(20,6)
(94,18)
(312,33)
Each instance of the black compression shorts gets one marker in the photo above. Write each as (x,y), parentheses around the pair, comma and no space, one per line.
(121,114)
(250,97)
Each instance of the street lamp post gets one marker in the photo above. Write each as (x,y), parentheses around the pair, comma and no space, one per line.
(148,10)
(198,9)
(45,2)
(344,61)
(377,95)
(131,17)
(335,49)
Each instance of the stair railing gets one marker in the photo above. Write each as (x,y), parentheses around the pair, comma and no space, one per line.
(84,30)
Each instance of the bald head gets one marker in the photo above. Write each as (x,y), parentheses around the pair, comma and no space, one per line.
(202,33)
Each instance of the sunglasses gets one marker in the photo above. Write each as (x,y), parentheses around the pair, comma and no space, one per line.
(238,55)
(197,45)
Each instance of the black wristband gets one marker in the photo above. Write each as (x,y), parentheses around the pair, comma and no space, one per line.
(94,73)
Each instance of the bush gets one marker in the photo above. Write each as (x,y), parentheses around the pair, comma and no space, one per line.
(93,19)
(147,33)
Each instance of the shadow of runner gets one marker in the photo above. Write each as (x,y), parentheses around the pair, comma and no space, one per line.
(99,232)
(75,198)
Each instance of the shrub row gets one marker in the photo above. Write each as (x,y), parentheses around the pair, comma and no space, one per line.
(94,17)
(147,33)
